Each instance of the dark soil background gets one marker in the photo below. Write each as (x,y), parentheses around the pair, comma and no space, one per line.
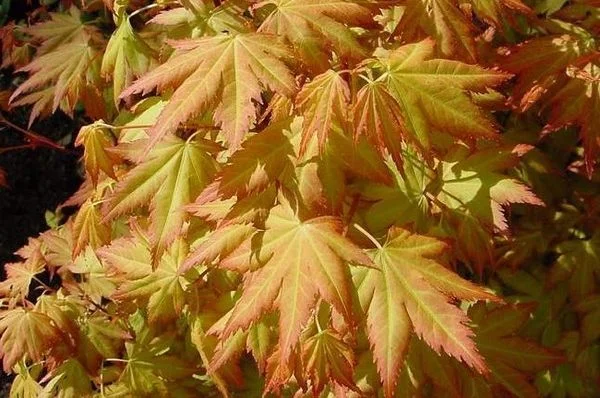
(38,180)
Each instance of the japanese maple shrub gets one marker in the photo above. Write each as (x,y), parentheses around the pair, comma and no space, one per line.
(314,198)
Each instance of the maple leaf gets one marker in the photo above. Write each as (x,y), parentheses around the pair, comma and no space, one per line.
(540,64)
(62,28)
(297,262)
(227,71)
(175,172)
(149,365)
(87,228)
(326,356)
(61,78)
(219,244)
(58,245)
(96,139)
(474,184)
(409,291)
(576,103)
(25,332)
(126,57)
(129,258)
(96,283)
(579,264)
(69,380)
(25,383)
(307,24)
(442,20)
(323,102)
(377,115)
(433,95)
(197,18)
(508,356)
(164,288)
(497,13)
(405,201)
(18,279)
(105,336)
(261,160)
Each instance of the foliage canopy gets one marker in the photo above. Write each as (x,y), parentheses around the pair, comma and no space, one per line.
(331,198)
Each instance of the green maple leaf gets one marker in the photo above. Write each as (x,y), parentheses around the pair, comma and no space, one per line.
(126,57)
(174,174)
(96,283)
(163,289)
(430,95)
(197,18)
(510,358)
(405,201)
(87,230)
(149,363)
(409,291)
(475,185)
(579,264)
(224,74)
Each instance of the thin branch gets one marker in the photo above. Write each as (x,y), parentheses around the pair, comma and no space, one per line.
(368,235)
(35,139)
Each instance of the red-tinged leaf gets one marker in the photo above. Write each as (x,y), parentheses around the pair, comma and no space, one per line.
(402,296)
(25,332)
(444,21)
(577,103)
(497,13)
(540,64)
(18,279)
(129,258)
(222,73)
(61,78)
(263,158)
(323,103)
(377,115)
(298,262)
(308,24)
(218,245)
(327,358)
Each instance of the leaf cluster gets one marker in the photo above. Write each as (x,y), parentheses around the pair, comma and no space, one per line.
(342,198)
